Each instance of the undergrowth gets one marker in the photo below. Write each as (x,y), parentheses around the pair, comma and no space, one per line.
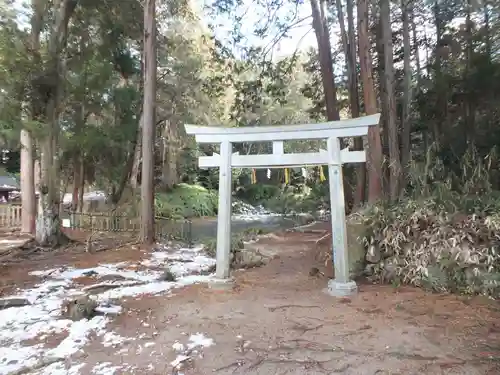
(289,199)
(186,201)
(444,236)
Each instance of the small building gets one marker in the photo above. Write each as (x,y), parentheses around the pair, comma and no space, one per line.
(8,185)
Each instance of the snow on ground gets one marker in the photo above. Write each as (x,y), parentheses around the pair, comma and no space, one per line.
(24,329)
(196,342)
(246,212)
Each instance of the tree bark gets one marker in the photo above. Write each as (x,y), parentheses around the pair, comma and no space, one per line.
(349,44)
(415,47)
(325,58)
(171,147)
(407,89)
(28,198)
(81,184)
(374,159)
(392,126)
(148,129)
(134,174)
(76,183)
(470,111)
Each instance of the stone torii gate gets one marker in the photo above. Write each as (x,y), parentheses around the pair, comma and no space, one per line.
(334,156)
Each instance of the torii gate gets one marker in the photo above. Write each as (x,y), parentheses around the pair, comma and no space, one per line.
(333,156)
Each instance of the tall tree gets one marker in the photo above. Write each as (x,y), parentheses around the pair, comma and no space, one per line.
(47,94)
(28,198)
(349,46)
(374,160)
(390,99)
(320,25)
(407,89)
(148,128)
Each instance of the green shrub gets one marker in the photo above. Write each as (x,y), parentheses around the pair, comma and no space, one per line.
(186,201)
(258,193)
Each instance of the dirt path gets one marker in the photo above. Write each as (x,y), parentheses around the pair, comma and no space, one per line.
(279,321)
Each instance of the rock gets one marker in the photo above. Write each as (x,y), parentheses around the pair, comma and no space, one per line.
(305,218)
(5,303)
(246,258)
(79,308)
(373,254)
(167,276)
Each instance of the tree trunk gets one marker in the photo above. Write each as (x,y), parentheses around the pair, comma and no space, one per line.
(407,90)
(470,112)
(171,147)
(415,46)
(325,58)
(148,129)
(48,229)
(28,198)
(392,125)
(134,174)
(81,185)
(349,44)
(487,31)
(76,183)
(374,159)
(439,124)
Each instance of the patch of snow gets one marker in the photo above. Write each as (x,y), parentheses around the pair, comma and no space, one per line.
(38,321)
(110,309)
(101,270)
(199,339)
(105,368)
(178,347)
(113,339)
(42,318)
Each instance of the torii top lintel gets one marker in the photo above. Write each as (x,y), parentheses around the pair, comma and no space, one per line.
(355,127)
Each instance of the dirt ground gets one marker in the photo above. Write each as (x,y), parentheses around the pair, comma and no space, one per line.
(278,320)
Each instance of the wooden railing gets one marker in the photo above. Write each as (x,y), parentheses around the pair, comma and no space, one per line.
(10,216)
(113,222)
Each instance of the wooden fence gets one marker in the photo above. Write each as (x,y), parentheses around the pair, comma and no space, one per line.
(113,222)
(10,216)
